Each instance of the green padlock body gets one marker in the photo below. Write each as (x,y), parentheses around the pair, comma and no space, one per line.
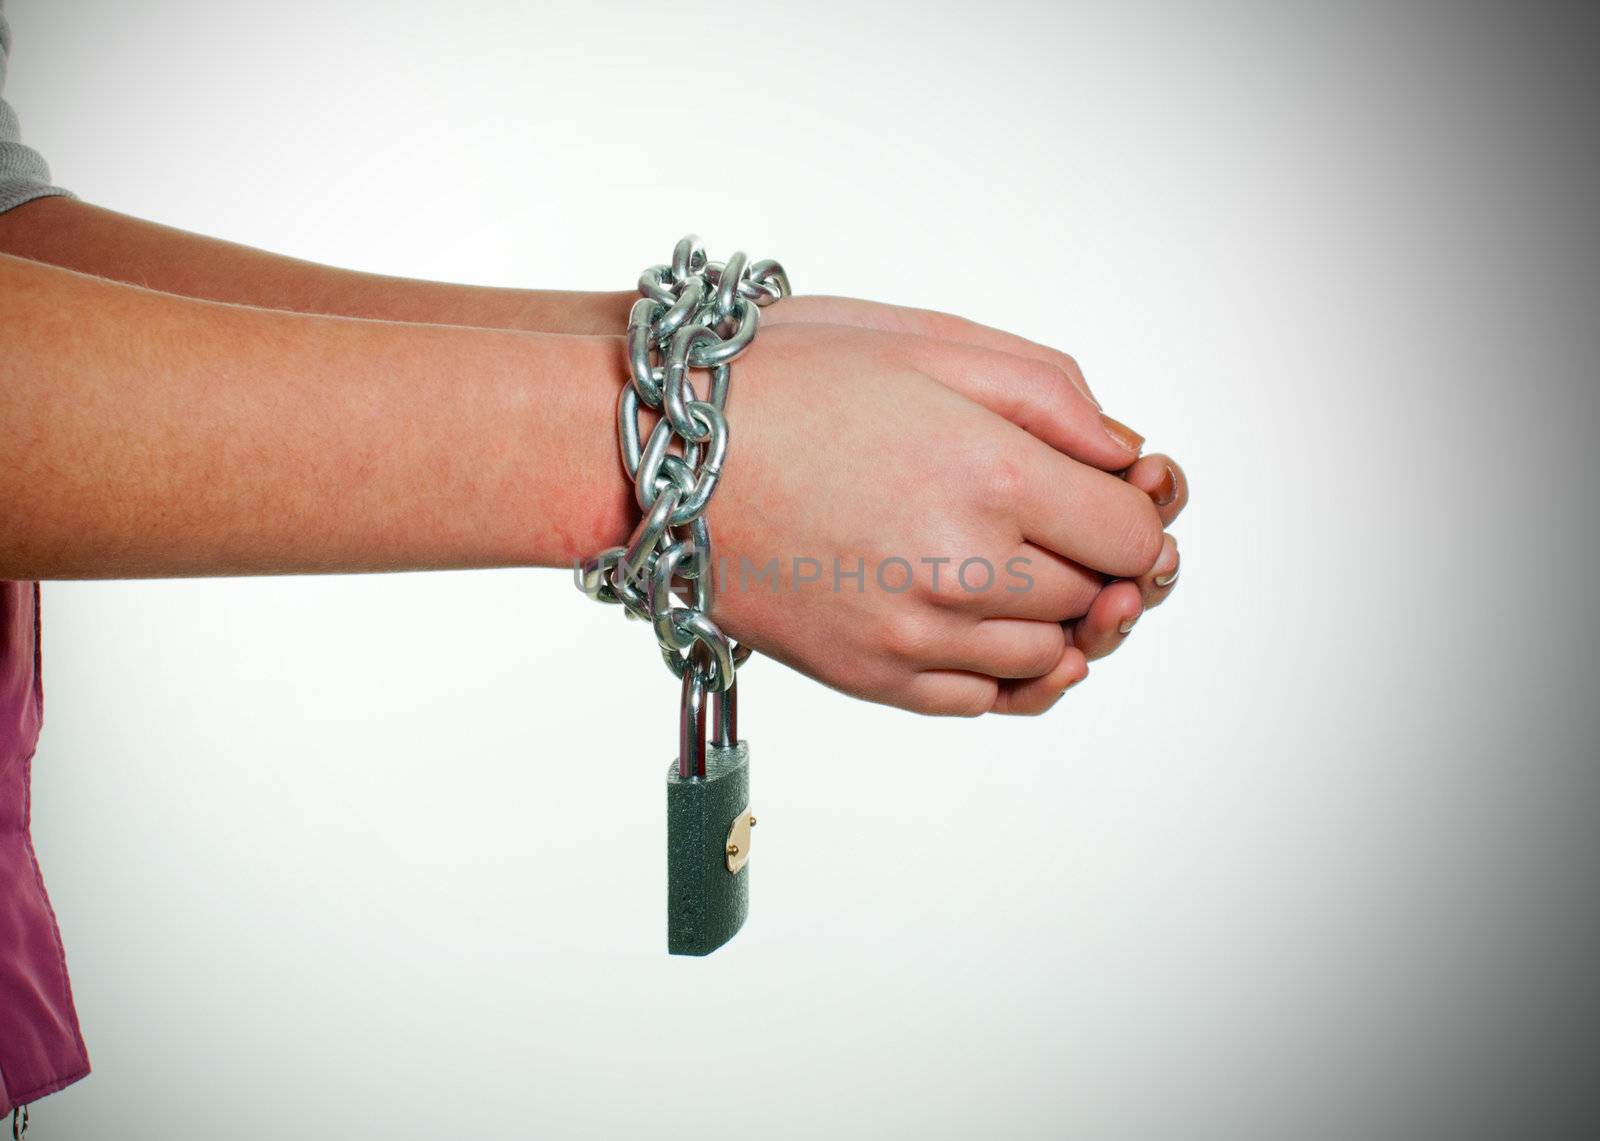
(706,903)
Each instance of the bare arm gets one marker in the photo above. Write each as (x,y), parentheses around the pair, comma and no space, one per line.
(92,240)
(148,434)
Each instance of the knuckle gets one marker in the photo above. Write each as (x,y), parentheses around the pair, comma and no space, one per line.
(1143,538)
(980,467)
(1035,375)
(1043,657)
(1041,399)
(1042,388)
(992,476)
(908,636)
(1003,480)
(947,595)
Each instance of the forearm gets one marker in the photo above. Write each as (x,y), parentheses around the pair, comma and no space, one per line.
(149,435)
(75,235)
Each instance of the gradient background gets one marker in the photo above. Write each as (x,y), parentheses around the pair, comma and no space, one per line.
(1312,857)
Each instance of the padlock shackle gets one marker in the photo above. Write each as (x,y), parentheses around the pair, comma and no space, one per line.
(692,721)
(725,717)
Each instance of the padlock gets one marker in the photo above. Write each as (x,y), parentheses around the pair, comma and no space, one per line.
(708,822)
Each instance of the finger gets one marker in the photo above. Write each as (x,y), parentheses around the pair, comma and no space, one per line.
(948,693)
(927,323)
(1161,478)
(1085,515)
(1161,578)
(1041,585)
(1007,648)
(1034,395)
(1109,621)
(1034,695)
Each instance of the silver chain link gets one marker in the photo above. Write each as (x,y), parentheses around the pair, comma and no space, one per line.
(691,314)
(19,1123)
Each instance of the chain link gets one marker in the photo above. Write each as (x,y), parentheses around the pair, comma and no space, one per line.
(691,314)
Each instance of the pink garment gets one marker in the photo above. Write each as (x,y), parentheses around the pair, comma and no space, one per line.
(41,1048)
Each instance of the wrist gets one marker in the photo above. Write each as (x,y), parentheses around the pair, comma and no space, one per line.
(575,498)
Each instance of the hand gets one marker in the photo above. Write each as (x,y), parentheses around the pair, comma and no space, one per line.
(1043,390)
(859,449)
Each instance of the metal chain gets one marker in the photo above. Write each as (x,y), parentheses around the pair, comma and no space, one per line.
(19,1123)
(691,314)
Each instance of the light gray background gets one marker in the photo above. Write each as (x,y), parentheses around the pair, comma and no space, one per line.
(1312,857)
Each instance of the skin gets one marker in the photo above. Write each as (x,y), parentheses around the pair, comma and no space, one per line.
(175,405)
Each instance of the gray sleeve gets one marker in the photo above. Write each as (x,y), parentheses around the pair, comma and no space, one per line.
(23,174)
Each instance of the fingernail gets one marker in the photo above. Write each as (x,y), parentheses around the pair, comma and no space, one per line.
(1170,577)
(1128,625)
(1125,436)
(1167,489)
